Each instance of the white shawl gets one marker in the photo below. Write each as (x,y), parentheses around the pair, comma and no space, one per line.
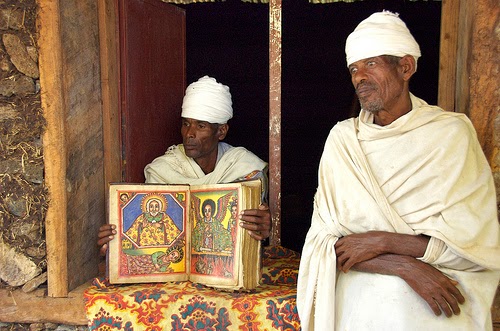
(425,173)
(234,163)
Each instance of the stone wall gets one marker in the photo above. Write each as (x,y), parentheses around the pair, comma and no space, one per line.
(23,200)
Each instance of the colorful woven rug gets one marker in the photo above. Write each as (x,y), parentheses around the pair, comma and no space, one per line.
(188,306)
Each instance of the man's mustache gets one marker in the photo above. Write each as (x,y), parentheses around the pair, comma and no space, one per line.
(364,86)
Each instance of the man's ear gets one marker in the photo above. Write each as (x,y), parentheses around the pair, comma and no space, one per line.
(408,66)
(222,131)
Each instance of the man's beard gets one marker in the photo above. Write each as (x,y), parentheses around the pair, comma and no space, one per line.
(372,106)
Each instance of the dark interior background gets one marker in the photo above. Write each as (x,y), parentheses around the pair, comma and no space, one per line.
(229,41)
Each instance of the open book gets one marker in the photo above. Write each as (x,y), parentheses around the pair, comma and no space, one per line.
(182,232)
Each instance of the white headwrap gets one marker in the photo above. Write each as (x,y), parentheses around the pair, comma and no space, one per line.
(383,33)
(207,100)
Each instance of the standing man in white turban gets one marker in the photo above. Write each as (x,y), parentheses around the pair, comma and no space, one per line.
(404,233)
(203,158)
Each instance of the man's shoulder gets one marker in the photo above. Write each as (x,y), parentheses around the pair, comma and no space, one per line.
(230,151)
(173,148)
(453,121)
(347,122)
(344,126)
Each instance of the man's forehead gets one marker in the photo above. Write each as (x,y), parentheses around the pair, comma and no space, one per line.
(188,119)
(366,60)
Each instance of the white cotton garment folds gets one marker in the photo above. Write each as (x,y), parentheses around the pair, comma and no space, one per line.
(174,167)
(425,173)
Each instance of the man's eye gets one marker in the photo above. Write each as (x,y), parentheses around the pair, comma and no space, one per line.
(371,63)
(352,70)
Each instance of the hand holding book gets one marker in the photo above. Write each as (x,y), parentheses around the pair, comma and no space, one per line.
(257,222)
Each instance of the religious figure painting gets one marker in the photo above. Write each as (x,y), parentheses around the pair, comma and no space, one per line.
(152,233)
(212,243)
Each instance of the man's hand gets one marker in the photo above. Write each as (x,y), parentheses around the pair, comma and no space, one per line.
(359,247)
(106,233)
(257,221)
(439,291)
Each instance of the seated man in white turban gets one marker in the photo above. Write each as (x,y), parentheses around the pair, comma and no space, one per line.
(404,233)
(203,158)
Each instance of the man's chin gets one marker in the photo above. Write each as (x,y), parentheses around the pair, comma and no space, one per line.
(372,111)
(192,153)
(371,107)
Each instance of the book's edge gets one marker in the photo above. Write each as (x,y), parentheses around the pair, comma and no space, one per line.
(249,262)
(110,253)
(189,225)
(249,258)
(252,263)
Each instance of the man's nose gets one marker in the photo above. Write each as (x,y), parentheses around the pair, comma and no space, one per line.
(191,132)
(358,77)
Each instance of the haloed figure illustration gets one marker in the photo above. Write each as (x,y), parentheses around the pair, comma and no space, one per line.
(163,260)
(153,227)
(209,234)
(232,225)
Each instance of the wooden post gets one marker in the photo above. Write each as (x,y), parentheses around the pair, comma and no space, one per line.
(110,76)
(463,60)
(275,119)
(448,54)
(54,147)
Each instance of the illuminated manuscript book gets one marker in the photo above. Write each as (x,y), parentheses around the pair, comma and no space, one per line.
(180,232)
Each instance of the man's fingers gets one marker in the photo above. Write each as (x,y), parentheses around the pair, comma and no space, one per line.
(456,292)
(104,240)
(254,223)
(263,207)
(435,307)
(103,250)
(454,298)
(257,235)
(250,226)
(444,306)
(257,222)
(455,307)
(445,300)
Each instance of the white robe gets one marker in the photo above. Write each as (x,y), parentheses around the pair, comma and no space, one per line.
(233,164)
(425,173)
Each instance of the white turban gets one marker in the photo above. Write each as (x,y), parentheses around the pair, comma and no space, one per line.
(207,100)
(382,33)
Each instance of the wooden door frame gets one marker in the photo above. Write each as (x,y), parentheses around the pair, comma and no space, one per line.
(452,63)
(110,86)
